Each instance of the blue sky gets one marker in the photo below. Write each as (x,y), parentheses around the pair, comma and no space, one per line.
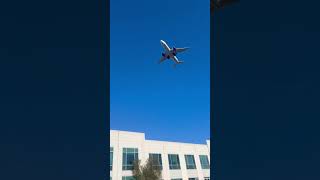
(165,103)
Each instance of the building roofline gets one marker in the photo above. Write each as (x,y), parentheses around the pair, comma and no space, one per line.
(162,140)
(176,142)
(126,131)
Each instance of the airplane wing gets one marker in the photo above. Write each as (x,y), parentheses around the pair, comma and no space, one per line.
(179,50)
(175,59)
(164,45)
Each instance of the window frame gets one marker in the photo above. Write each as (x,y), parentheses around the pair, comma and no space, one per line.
(203,165)
(128,178)
(190,166)
(111,158)
(159,159)
(125,151)
(174,166)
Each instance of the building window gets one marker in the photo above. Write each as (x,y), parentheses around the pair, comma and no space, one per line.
(206,178)
(190,161)
(111,158)
(156,159)
(204,162)
(174,162)
(129,155)
(128,178)
(193,178)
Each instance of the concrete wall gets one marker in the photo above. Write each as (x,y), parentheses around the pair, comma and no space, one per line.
(124,139)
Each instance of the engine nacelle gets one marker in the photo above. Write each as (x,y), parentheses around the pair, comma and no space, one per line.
(174,51)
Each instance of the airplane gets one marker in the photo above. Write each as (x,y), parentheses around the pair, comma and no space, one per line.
(171,53)
(217,4)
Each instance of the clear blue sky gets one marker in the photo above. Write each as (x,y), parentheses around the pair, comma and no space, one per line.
(165,103)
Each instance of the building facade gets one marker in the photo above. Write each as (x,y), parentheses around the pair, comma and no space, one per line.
(178,161)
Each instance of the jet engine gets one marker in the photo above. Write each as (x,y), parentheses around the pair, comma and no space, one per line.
(174,51)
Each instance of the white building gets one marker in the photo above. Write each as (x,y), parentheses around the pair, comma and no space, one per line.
(179,161)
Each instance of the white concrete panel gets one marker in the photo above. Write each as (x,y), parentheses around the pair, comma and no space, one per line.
(125,139)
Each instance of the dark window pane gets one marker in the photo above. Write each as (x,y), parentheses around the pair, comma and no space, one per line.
(129,155)
(174,162)
(190,162)
(204,162)
(111,158)
(128,178)
(156,159)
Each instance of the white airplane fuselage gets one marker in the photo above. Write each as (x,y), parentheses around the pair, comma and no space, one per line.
(168,53)
(171,53)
